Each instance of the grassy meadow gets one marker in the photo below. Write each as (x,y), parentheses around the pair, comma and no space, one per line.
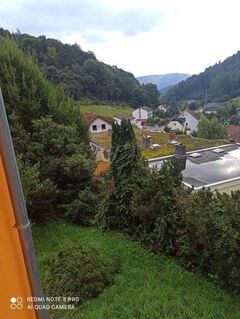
(147,287)
(161,139)
(107,110)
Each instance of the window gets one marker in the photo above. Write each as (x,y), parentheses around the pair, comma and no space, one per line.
(94,127)
(103,126)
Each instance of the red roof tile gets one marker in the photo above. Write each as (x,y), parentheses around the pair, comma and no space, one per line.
(90,117)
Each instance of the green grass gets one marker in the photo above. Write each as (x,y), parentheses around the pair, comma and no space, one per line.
(108,110)
(147,287)
(161,139)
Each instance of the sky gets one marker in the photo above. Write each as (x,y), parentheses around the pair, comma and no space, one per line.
(140,36)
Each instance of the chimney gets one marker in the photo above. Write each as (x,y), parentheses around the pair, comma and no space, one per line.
(172,136)
(180,151)
(146,140)
(181,156)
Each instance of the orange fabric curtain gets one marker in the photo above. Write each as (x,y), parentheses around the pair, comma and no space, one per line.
(14,283)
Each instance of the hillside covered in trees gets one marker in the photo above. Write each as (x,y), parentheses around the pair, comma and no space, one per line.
(82,75)
(50,139)
(219,82)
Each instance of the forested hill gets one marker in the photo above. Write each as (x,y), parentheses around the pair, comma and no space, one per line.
(50,139)
(82,75)
(221,82)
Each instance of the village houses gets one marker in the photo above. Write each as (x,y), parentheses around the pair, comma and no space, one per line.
(98,123)
(190,119)
(143,113)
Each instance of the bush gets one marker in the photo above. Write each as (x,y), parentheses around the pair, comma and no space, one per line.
(79,272)
(40,195)
(82,210)
(201,229)
(209,236)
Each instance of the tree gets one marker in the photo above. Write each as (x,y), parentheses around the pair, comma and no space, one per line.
(62,158)
(152,93)
(127,171)
(210,128)
(50,139)
(155,201)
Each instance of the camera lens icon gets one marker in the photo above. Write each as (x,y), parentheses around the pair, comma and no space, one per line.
(16,303)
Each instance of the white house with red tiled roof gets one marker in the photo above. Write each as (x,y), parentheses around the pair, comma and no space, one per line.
(190,118)
(98,123)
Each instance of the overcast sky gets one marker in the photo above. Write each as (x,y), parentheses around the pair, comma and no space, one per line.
(140,36)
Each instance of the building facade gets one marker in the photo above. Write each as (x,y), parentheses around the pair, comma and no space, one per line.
(98,123)
(142,113)
(190,118)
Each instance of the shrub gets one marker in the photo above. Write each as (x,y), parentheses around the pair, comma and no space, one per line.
(201,229)
(40,195)
(209,236)
(82,210)
(79,272)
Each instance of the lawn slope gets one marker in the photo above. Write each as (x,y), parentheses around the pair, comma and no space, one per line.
(107,110)
(147,287)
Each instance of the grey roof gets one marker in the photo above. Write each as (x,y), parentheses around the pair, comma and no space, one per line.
(212,167)
(215,165)
(146,108)
(212,106)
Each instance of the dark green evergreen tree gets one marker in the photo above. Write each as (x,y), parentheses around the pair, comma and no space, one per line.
(127,171)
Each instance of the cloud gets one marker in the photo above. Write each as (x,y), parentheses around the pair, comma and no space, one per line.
(58,17)
(141,36)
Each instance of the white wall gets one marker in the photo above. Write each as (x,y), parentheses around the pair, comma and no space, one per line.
(140,114)
(99,122)
(175,125)
(162,108)
(117,120)
(190,120)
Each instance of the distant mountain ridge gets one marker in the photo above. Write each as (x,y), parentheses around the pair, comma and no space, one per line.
(218,83)
(163,81)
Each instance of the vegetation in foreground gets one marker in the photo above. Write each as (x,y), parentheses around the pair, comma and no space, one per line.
(200,229)
(79,272)
(147,287)
(50,139)
(56,167)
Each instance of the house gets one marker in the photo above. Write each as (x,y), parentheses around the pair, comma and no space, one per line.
(176,125)
(98,123)
(211,108)
(162,108)
(142,113)
(119,118)
(233,132)
(217,168)
(190,118)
